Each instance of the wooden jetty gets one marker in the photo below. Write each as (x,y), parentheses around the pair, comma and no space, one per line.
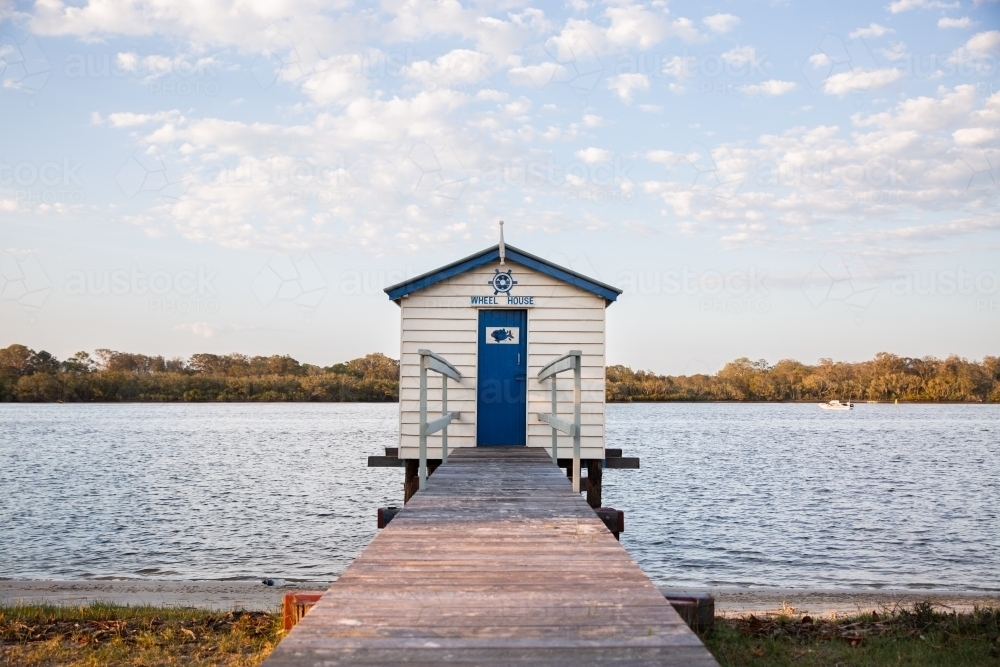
(496,562)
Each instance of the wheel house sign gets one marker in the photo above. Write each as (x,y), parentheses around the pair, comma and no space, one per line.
(497,320)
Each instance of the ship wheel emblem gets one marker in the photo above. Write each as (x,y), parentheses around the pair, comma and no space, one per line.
(502,282)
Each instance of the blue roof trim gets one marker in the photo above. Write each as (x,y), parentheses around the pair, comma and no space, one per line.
(609,293)
(540,265)
(445,272)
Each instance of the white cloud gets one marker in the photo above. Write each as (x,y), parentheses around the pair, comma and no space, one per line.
(624,84)
(924,114)
(633,25)
(384,160)
(152,67)
(976,136)
(457,66)
(740,56)
(896,53)
(906,5)
(721,23)
(128,62)
(964,22)
(211,22)
(338,79)
(405,161)
(666,158)
(818,60)
(873,30)
(860,80)
(203,329)
(771,88)
(926,154)
(129,119)
(594,155)
(680,67)
(492,95)
(579,40)
(629,26)
(981,45)
(537,76)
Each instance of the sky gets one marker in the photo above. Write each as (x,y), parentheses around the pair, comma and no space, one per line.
(763,179)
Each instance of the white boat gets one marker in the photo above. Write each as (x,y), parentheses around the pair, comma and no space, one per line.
(837,405)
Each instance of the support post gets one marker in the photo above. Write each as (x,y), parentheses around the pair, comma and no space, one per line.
(555,434)
(423,422)
(444,413)
(576,423)
(410,480)
(595,474)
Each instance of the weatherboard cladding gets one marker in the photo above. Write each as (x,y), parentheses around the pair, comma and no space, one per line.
(439,317)
(512,254)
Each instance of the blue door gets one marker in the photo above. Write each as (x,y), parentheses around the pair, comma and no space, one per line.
(502,394)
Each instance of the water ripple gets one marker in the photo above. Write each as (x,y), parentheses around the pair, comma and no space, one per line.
(728,495)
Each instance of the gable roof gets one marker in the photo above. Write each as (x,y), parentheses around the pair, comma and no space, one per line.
(398,291)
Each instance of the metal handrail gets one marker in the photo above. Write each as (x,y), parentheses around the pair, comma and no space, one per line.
(569,361)
(433,362)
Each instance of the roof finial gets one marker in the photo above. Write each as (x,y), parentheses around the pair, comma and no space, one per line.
(503,249)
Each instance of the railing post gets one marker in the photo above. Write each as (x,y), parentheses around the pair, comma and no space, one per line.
(432,362)
(555,433)
(576,424)
(423,422)
(444,412)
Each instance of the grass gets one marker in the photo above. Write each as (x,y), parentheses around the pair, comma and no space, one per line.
(919,636)
(103,634)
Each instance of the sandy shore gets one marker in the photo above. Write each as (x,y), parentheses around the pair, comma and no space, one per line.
(205,594)
(256,596)
(736,601)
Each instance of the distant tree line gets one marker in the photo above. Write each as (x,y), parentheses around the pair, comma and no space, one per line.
(26,375)
(887,377)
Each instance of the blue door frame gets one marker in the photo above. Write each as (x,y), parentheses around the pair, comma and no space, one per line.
(502,384)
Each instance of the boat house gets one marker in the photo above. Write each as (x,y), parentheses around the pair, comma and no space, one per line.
(491,324)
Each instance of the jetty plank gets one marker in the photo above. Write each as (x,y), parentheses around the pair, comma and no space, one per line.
(496,562)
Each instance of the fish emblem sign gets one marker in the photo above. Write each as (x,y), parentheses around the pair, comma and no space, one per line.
(502,282)
(502,335)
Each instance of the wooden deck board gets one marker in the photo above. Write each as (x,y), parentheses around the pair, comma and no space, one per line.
(496,562)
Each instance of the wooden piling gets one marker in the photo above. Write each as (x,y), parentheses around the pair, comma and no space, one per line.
(411,477)
(595,474)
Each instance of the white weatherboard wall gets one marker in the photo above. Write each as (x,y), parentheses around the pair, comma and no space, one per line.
(441,319)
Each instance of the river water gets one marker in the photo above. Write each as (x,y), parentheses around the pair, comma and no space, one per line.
(897,496)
